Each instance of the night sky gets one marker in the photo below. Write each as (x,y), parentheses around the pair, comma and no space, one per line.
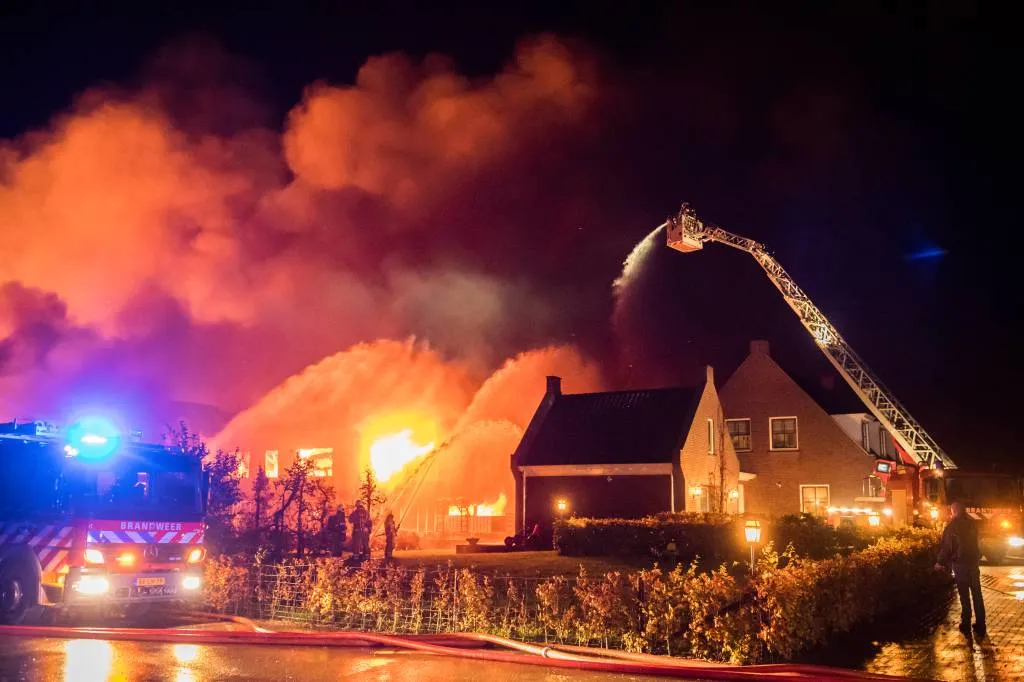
(872,151)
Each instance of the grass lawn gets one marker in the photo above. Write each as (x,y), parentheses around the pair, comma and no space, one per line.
(528,564)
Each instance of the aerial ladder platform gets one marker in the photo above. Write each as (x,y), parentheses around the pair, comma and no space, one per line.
(687,233)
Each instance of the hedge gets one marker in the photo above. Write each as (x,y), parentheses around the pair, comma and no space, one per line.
(791,605)
(712,537)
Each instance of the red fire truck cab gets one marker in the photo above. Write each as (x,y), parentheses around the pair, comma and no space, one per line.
(88,519)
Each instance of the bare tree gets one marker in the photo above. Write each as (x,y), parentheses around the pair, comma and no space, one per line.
(370,493)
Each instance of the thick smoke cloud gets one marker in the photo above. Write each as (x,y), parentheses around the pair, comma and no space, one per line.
(165,240)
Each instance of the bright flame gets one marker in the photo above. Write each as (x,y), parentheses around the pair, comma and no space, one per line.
(397,440)
(497,508)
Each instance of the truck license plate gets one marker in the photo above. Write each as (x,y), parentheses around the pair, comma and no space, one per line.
(149,582)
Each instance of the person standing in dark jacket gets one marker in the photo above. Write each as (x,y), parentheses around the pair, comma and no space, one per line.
(390,533)
(961,552)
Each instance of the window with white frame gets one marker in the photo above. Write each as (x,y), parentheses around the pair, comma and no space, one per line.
(886,445)
(784,433)
(701,496)
(711,436)
(814,499)
(270,464)
(739,432)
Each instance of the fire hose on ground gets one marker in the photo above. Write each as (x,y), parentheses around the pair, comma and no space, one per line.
(464,645)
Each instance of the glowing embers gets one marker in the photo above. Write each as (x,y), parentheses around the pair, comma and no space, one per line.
(396,440)
(496,508)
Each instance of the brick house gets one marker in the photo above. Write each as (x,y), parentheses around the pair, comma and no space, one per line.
(625,454)
(807,453)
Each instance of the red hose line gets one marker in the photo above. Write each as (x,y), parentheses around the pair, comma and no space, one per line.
(546,656)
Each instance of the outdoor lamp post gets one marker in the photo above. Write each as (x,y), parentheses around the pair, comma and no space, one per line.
(752,531)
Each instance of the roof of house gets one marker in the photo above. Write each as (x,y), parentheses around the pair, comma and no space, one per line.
(837,398)
(622,427)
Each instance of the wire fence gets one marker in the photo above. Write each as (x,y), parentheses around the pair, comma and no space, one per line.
(787,608)
(331,595)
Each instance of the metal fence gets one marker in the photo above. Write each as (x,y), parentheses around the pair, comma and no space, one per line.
(328,594)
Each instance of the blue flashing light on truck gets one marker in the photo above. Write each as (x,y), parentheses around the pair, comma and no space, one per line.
(91,519)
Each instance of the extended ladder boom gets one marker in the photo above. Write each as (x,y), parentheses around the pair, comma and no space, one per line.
(687,233)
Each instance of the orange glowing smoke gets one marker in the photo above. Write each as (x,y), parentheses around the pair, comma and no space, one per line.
(395,440)
(208,255)
(349,400)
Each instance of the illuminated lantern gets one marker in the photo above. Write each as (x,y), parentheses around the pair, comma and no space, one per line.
(752,531)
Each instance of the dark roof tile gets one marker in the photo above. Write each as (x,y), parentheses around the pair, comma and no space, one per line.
(623,427)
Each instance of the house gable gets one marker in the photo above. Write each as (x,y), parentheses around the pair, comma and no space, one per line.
(712,468)
(824,455)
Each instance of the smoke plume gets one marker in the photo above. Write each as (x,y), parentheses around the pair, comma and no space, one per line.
(167,240)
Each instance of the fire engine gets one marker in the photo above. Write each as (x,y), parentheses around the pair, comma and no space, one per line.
(921,480)
(89,518)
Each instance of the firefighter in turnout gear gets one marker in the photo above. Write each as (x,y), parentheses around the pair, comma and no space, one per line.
(960,551)
(360,521)
(337,531)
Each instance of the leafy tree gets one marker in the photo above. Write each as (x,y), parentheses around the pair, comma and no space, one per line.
(222,504)
(224,493)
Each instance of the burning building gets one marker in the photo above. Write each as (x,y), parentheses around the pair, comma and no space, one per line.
(437,442)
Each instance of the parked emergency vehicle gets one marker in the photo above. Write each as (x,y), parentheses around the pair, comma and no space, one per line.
(993,501)
(88,518)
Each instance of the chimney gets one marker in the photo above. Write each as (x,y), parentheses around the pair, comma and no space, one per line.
(710,375)
(759,348)
(554,385)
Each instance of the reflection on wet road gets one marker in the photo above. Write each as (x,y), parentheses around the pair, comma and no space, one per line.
(83,660)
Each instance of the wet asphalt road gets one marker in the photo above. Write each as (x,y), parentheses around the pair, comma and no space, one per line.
(83,660)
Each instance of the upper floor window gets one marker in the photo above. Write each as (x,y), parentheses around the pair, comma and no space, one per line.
(739,431)
(711,436)
(784,433)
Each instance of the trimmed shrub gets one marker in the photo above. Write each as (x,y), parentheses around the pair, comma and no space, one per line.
(711,537)
(791,605)
(810,536)
(803,603)
(225,583)
(708,536)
